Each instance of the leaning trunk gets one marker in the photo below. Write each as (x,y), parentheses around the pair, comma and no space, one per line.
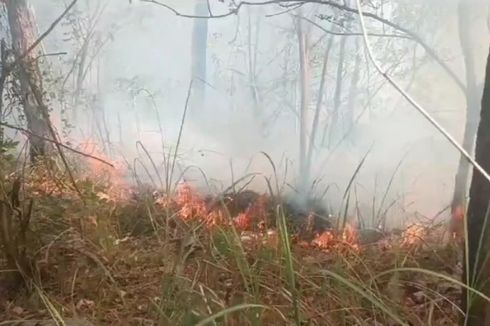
(23,32)
(477,271)
(472,94)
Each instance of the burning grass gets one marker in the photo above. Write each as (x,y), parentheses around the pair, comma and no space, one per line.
(234,259)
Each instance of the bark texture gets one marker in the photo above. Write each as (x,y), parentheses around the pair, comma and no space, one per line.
(24,33)
(458,204)
(477,273)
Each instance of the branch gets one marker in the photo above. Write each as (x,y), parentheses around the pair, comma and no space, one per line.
(43,35)
(352,33)
(8,68)
(336,5)
(30,133)
(412,101)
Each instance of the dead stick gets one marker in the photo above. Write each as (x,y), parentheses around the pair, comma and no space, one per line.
(57,143)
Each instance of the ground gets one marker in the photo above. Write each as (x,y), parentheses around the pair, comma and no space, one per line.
(128,256)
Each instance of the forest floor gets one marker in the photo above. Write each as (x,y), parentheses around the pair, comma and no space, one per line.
(116,255)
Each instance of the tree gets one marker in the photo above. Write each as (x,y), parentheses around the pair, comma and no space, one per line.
(472,94)
(335,129)
(348,116)
(23,33)
(305,99)
(477,271)
(199,52)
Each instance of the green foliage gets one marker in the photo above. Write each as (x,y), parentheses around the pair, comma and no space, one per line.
(7,149)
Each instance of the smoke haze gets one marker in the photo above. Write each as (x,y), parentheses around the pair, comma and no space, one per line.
(138,77)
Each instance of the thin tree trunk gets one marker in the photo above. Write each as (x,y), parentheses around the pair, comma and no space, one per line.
(199,54)
(472,95)
(477,271)
(305,97)
(23,32)
(334,127)
(252,64)
(348,115)
(316,118)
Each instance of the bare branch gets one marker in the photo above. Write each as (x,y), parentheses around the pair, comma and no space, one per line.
(336,5)
(412,101)
(43,35)
(30,133)
(353,33)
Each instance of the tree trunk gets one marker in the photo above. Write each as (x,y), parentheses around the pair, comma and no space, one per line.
(477,271)
(348,116)
(252,63)
(316,118)
(305,98)
(337,98)
(23,32)
(199,54)
(472,98)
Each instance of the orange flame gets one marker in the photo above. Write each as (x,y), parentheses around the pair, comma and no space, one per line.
(413,235)
(194,207)
(255,214)
(113,177)
(243,221)
(456,225)
(326,240)
(329,240)
(350,234)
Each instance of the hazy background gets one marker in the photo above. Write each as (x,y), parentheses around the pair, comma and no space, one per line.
(138,81)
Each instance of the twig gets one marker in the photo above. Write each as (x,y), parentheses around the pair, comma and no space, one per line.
(54,54)
(352,33)
(30,133)
(414,103)
(44,112)
(43,35)
(336,5)
(287,10)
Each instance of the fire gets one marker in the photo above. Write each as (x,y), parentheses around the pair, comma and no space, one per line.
(243,221)
(254,215)
(350,234)
(117,188)
(329,240)
(252,222)
(326,240)
(191,204)
(194,207)
(413,235)
(456,225)
(42,182)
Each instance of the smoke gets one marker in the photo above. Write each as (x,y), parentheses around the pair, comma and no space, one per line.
(138,80)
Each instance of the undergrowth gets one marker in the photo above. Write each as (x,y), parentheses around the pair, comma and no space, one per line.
(136,258)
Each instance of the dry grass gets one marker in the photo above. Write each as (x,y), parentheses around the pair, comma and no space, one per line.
(122,259)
